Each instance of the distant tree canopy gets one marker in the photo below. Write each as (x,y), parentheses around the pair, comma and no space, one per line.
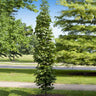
(12,32)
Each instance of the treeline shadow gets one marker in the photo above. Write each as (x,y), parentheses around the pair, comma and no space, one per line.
(56,72)
(75,72)
(27,71)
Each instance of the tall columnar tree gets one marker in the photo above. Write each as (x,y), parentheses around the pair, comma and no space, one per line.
(44,51)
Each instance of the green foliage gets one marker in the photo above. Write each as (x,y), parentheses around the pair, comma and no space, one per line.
(80,17)
(76,49)
(12,37)
(28,48)
(12,32)
(9,6)
(44,50)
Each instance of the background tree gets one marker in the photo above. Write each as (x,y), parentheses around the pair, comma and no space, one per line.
(12,31)
(9,6)
(79,19)
(16,36)
(28,48)
(44,51)
(76,49)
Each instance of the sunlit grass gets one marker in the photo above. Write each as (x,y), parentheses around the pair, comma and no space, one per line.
(24,58)
(63,76)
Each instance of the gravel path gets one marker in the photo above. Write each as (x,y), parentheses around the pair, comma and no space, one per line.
(57,86)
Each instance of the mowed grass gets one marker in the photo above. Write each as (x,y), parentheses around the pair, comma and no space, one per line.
(24,58)
(28,92)
(63,76)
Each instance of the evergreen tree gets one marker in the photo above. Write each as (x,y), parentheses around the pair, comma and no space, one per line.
(80,17)
(44,51)
(76,49)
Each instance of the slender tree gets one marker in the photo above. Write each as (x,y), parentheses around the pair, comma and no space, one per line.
(44,51)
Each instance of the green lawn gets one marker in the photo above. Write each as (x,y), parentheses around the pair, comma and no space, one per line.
(28,92)
(24,58)
(29,60)
(63,76)
(18,63)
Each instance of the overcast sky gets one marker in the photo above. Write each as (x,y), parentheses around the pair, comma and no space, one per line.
(29,17)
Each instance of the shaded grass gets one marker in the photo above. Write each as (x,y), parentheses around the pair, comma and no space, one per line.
(18,91)
(76,72)
(63,76)
(74,93)
(28,92)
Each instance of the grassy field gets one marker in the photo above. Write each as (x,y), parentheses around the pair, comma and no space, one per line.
(63,76)
(28,92)
(24,58)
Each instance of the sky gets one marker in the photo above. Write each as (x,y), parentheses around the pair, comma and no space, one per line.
(29,17)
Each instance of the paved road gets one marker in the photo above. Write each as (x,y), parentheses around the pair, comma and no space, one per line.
(56,86)
(61,68)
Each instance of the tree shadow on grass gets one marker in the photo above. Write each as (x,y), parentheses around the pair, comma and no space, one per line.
(75,72)
(4,93)
(27,71)
(57,72)
(18,93)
